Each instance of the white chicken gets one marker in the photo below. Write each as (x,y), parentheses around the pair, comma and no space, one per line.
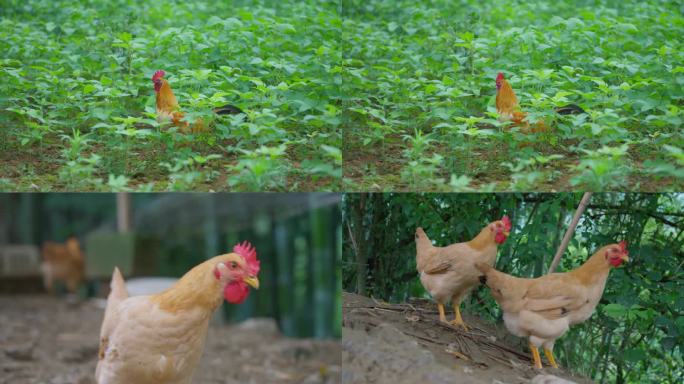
(160,338)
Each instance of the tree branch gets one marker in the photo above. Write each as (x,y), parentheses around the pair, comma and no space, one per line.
(570,231)
(656,215)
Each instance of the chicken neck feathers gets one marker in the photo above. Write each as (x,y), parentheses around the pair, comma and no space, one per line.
(506,101)
(197,288)
(166,100)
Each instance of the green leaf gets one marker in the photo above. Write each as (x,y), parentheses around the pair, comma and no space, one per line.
(634,355)
(615,311)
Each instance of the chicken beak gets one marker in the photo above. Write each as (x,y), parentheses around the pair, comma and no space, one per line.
(252,281)
(625,258)
(506,233)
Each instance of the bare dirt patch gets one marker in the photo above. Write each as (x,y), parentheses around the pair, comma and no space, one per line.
(48,341)
(405,343)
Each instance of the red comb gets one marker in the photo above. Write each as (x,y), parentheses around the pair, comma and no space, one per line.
(500,76)
(506,222)
(623,246)
(248,252)
(158,74)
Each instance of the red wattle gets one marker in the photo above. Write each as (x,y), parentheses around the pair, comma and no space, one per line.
(499,238)
(235,292)
(615,261)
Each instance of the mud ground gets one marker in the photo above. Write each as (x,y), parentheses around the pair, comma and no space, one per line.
(45,340)
(406,343)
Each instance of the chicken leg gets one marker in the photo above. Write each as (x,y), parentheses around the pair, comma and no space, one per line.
(458,320)
(549,355)
(442,316)
(535,356)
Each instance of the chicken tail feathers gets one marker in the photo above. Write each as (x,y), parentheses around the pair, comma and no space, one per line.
(118,290)
(117,294)
(420,234)
(570,109)
(423,249)
(228,110)
(423,242)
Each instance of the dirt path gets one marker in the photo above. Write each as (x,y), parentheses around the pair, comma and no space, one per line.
(405,343)
(45,340)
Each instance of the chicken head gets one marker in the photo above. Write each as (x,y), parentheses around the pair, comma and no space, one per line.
(236,271)
(157,79)
(617,253)
(501,229)
(499,80)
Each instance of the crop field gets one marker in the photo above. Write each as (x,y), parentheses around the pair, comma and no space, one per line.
(77,104)
(420,112)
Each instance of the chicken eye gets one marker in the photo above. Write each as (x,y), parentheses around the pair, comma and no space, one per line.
(233,265)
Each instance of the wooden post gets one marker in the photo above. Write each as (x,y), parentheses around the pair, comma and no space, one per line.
(570,231)
(123,212)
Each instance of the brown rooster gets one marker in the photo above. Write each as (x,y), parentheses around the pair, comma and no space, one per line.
(449,273)
(168,109)
(508,109)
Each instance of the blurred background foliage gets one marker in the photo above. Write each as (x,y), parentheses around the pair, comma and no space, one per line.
(637,331)
(297,237)
(75,88)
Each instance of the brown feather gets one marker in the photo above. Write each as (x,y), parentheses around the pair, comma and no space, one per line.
(438,268)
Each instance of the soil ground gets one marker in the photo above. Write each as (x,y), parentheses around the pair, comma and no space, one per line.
(378,168)
(49,341)
(406,343)
(36,168)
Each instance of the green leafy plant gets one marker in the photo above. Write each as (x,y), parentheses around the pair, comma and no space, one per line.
(261,169)
(81,173)
(604,168)
(88,70)
(186,173)
(430,66)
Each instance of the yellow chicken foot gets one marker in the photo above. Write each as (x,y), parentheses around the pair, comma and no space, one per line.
(549,355)
(535,356)
(442,317)
(458,320)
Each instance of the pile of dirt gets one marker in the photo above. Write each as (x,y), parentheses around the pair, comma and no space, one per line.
(406,343)
(49,341)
